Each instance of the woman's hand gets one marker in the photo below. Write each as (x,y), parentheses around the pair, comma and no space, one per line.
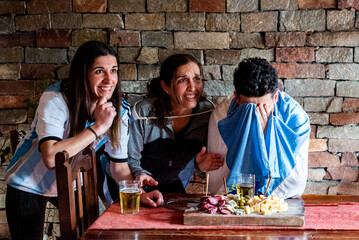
(145,179)
(104,114)
(208,161)
(154,198)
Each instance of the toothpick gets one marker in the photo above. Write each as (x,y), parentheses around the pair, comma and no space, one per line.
(254,184)
(207,179)
(265,193)
(225,186)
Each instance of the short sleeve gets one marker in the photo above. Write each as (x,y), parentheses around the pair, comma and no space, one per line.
(120,154)
(53,116)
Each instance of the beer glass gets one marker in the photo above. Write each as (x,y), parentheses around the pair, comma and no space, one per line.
(129,196)
(245,184)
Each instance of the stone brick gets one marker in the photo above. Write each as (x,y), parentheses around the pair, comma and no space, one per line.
(18,39)
(12,7)
(242,5)
(218,88)
(310,71)
(343,132)
(329,104)
(342,173)
(22,87)
(212,72)
(302,20)
(356,54)
(128,55)
(13,116)
(145,21)
(316,174)
(53,38)
(125,38)
(298,100)
(305,54)
(63,72)
(134,86)
(147,72)
(66,21)
(201,40)
(285,70)
(313,131)
(228,71)
(222,56)
(128,72)
(267,54)
(333,55)
(321,188)
(9,71)
(318,145)
(322,159)
(344,118)
(350,105)
(223,22)
(348,89)
(246,40)
(334,39)
(32,22)
(317,4)
(89,5)
(285,39)
(37,71)
(81,36)
(309,87)
(207,6)
(11,55)
(349,159)
(343,145)
(348,188)
(348,4)
(49,6)
(164,53)
(7,24)
(148,55)
(259,22)
(278,5)
(167,5)
(45,55)
(347,71)
(13,101)
(157,39)
(108,20)
(185,21)
(340,20)
(127,6)
(319,118)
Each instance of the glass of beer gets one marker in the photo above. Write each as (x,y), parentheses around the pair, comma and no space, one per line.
(245,184)
(129,196)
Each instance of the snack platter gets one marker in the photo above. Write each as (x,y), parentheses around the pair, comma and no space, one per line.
(294,217)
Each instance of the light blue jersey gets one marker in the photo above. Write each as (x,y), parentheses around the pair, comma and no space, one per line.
(27,171)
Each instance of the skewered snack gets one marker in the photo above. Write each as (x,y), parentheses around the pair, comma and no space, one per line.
(239,205)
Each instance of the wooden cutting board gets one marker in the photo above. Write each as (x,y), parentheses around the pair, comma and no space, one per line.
(293,217)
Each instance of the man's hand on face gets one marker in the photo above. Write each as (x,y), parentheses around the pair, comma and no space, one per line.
(264,113)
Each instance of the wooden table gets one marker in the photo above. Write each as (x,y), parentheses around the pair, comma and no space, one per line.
(232,234)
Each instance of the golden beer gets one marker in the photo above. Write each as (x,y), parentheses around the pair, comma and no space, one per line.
(130,200)
(244,189)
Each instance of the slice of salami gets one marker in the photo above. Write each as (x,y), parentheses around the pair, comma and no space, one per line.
(207,206)
(212,210)
(213,200)
(224,211)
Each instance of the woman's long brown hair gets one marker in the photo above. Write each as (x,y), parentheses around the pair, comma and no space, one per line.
(77,92)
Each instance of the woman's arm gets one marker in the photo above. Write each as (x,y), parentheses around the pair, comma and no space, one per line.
(104,115)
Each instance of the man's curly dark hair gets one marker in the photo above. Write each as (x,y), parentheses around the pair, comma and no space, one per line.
(255,77)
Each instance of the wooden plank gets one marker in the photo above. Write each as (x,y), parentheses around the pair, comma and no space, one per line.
(293,217)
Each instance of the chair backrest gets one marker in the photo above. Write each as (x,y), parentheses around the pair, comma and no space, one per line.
(14,140)
(78,209)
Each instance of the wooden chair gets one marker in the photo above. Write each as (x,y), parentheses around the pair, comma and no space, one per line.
(14,140)
(77,209)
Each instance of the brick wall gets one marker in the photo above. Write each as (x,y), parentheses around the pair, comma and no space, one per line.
(314,45)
